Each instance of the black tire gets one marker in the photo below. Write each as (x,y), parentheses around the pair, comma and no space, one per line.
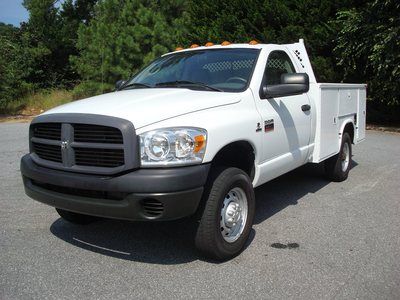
(76,218)
(209,239)
(333,166)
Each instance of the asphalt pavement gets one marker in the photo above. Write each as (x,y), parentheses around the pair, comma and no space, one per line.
(312,239)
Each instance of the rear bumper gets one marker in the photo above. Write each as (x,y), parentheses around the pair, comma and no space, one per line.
(144,194)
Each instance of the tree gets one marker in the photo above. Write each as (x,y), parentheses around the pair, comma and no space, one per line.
(368,47)
(271,21)
(123,36)
(12,65)
(73,13)
(42,41)
(50,35)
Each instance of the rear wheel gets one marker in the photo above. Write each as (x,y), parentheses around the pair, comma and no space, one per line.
(337,167)
(76,218)
(228,214)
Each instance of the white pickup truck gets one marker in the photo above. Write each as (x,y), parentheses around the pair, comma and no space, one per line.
(193,134)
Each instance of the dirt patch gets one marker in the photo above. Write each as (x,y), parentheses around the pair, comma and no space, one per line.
(16,118)
(395,129)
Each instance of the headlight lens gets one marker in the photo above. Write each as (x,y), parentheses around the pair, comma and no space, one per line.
(172,146)
(157,146)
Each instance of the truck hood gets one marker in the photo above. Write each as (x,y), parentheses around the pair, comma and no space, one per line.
(147,106)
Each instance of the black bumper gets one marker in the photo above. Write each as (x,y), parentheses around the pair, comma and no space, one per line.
(144,194)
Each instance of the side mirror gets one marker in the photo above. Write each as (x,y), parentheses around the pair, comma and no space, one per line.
(291,84)
(119,84)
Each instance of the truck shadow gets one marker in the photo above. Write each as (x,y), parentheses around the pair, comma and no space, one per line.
(172,242)
(288,189)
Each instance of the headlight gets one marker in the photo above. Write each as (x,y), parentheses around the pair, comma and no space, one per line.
(172,147)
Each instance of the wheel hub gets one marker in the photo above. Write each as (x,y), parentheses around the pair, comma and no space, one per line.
(233,214)
(345,157)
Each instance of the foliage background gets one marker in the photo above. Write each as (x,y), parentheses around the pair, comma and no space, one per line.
(82,47)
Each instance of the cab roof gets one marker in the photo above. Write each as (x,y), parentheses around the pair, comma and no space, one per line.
(229,46)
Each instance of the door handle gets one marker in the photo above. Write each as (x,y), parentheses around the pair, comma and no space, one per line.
(305,107)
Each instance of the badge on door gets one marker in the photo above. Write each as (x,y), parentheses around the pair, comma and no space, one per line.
(269,125)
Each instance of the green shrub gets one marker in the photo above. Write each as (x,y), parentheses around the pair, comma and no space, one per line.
(90,88)
(35,103)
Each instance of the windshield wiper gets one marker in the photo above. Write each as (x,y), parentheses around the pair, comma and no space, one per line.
(135,84)
(186,83)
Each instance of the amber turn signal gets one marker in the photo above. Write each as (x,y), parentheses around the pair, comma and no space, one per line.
(199,142)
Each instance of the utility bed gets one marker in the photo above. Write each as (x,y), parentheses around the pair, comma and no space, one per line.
(336,104)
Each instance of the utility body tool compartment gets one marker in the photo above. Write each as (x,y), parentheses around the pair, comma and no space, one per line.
(337,105)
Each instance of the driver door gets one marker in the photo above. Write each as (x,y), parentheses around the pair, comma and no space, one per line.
(286,127)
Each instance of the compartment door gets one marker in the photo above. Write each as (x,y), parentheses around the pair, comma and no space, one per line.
(361,115)
(328,122)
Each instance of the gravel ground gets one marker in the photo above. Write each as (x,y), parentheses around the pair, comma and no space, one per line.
(348,237)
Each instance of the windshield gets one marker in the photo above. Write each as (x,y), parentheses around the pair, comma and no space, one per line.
(227,70)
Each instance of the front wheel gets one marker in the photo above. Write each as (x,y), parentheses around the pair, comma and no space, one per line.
(337,167)
(228,214)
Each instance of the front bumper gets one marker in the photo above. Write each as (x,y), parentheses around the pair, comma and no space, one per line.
(143,194)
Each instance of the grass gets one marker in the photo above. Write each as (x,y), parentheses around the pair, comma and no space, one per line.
(33,104)
(40,101)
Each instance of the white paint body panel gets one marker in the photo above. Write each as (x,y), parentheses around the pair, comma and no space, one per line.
(298,137)
(336,106)
(146,106)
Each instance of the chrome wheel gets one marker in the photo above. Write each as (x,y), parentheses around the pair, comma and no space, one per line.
(233,214)
(345,157)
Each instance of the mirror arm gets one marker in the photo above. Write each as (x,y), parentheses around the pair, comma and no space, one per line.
(119,84)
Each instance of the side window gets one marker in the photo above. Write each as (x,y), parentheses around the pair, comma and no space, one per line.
(278,63)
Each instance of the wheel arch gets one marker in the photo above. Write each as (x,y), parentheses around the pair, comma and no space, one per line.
(240,154)
(348,126)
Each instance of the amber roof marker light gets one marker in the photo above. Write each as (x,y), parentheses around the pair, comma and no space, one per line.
(178,48)
(225,43)
(194,46)
(209,44)
(253,42)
